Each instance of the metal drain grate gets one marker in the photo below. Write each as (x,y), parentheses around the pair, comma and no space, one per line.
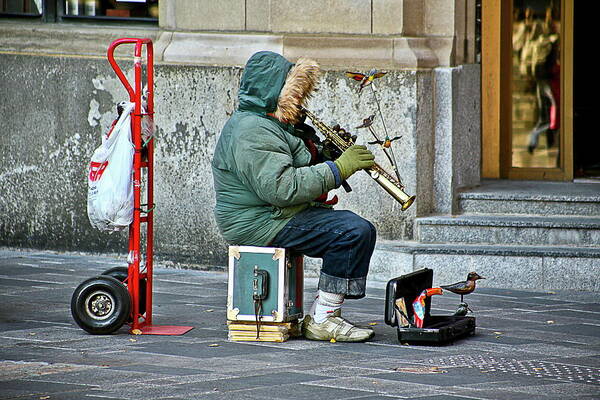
(540,369)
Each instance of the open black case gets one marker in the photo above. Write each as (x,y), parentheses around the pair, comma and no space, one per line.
(436,328)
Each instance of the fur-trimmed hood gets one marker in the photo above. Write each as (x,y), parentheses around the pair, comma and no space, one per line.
(299,84)
(272,85)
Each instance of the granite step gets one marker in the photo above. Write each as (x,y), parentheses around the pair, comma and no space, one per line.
(515,266)
(580,231)
(523,267)
(531,198)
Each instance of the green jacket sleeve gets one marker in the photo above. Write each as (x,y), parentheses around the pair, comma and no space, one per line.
(267,162)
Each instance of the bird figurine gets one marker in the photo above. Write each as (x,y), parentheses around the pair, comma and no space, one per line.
(386,143)
(464,287)
(366,122)
(365,79)
(462,310)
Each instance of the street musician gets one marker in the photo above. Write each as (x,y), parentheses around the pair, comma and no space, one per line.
(267,182)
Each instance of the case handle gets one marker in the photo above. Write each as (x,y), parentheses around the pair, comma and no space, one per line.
(260,284)
(260,291)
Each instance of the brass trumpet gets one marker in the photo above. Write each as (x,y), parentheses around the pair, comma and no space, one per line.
(342,140)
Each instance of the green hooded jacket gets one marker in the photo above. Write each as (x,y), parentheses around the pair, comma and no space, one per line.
(261,170)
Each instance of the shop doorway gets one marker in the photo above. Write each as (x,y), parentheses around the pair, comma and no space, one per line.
(527,89)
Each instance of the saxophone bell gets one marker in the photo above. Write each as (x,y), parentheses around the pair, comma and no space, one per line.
(390,185)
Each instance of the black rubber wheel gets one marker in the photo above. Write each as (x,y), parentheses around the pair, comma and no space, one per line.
(100,305)
(120,273)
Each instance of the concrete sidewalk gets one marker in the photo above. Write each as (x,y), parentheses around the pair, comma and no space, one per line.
(528,345)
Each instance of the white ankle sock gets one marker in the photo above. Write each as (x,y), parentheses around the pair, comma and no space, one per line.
(325,304)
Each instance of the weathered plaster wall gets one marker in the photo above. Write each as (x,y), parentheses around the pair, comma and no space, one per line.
(45,143)
(54,110)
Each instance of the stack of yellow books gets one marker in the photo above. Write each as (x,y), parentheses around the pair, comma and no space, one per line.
(245,331)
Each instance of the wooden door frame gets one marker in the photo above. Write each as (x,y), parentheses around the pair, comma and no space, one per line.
(496,101)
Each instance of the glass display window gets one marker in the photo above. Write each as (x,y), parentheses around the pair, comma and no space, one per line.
(66,10)
(32,8)
(111,9)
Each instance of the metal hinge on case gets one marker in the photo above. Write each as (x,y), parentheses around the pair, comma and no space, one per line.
(278,253)
(234,251)
(232,314)
(275,315)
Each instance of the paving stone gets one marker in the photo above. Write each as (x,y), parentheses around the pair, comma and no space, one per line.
(19,268)
(591,361)
(544,301)
(267,380)
(381,386)
(583,329)
(572,390)
(204,350)
(79,395)
(23,283)
(23,387)
(455,376)
(557,349)
(303,391)
(100,377)
(18,326)
(340,370)
(558,337)
(574,313)
(44,334)
(377,350)
(443,397)
(510,292)
(496,394)
(515,354)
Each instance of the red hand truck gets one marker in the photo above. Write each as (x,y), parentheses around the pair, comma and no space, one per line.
(102,304)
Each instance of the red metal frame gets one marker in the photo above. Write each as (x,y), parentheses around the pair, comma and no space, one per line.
(141,322)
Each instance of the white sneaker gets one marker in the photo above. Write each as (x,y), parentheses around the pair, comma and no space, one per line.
(335,327)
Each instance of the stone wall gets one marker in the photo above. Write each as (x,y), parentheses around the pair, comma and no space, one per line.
(58,95)
(55,108)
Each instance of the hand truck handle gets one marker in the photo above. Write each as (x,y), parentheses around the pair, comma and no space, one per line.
(137,59)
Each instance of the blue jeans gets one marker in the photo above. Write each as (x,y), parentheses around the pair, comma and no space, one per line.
(341,238)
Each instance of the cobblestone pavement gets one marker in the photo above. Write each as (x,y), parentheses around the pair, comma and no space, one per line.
(528,345)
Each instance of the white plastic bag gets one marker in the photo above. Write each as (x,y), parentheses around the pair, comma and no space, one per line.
(110,186)
(148,126)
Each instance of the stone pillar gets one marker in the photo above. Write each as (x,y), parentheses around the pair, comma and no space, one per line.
(457,138)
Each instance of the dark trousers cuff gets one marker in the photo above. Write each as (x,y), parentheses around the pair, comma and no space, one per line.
(351,288)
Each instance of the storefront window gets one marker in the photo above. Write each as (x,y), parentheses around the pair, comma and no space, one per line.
(21,7)
(129,9)
(59,10)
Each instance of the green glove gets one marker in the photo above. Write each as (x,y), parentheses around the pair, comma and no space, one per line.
(355,158)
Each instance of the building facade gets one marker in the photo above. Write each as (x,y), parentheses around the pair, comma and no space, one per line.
(446,79)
